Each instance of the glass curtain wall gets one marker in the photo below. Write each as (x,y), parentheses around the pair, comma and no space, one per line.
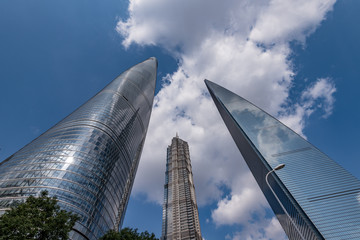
(320,198)
(89,159)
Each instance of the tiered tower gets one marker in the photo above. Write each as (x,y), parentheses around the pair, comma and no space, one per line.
(180,212)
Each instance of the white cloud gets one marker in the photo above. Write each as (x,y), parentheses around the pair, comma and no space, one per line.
(285,20)
(242,205)
(323,90)
(242,45)
(318,96)
(295,118)
(184,24)
(274,230)
(265,229)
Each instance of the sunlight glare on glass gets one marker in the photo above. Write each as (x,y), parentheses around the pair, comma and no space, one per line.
(70,160)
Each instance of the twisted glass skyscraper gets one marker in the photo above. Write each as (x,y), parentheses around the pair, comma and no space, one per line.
(89,159)
(180,212)
(313,197)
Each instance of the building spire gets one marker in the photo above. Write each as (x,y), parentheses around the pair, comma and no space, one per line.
(177,135)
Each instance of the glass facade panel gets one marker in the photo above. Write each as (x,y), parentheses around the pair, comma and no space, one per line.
(321,197)
(89,159)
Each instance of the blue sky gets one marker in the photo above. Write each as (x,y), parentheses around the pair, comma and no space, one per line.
(296,59)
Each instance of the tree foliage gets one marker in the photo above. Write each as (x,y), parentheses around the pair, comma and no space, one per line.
(37,218)
(128,234)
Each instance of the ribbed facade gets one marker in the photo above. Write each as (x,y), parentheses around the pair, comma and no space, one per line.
(89,159)
(180,213)
(321,197)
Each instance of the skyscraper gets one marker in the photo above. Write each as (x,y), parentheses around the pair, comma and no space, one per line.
(89,159)
(313,197)
(180,212)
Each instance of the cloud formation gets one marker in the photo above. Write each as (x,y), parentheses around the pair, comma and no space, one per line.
(283,20)
(320,93)
(244,46)
(270,229)
(242,205)
(318,96)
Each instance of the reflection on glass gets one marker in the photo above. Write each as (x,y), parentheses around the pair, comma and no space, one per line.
(89,159)
(319,194)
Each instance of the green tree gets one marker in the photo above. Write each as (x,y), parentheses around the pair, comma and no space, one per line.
(37,218)
(128,234)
